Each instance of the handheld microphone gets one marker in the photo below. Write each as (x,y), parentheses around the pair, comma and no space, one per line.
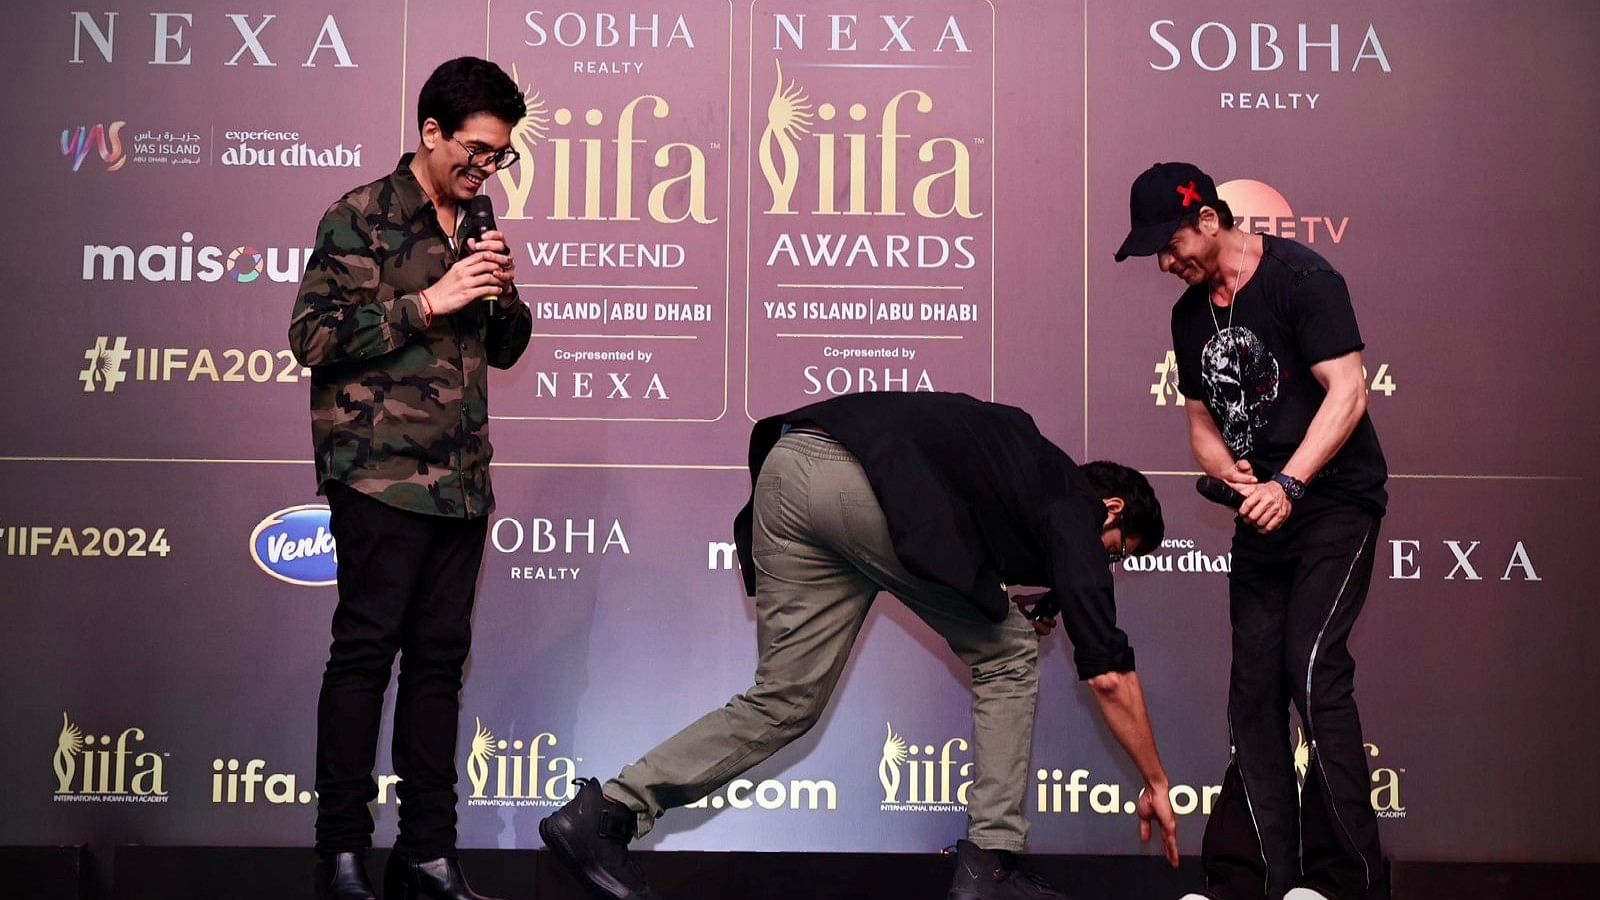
(480,221)
(1218,491)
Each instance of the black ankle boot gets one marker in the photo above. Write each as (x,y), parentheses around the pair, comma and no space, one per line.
(995,875)
(343,876)
(590,836)
(440,878)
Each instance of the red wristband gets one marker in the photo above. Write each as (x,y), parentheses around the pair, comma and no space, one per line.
(427,308)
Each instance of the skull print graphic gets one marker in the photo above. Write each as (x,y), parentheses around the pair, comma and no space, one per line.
(1241,379)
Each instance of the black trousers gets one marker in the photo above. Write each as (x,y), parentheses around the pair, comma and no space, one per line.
(1294,596)
(406,584)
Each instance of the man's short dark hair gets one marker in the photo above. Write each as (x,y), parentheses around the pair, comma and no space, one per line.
(464,87)
(1223,210)
(1141,511)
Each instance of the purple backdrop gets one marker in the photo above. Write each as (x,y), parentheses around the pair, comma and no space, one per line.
(694,263)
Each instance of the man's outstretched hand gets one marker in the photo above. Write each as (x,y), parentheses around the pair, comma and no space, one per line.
(1155,806)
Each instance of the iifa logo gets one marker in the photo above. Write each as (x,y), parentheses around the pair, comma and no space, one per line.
(529,777)
(671,199)
(790,120)
(105,770)
(928,775)
(296,545)
(1385,780)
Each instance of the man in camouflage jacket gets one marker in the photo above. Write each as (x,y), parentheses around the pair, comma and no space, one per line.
(393,320)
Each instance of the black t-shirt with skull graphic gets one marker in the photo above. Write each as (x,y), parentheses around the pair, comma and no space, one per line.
(1254,371)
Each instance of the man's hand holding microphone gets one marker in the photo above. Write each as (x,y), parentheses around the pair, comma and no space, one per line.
(483,274)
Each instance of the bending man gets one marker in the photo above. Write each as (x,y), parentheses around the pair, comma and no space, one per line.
(941,500)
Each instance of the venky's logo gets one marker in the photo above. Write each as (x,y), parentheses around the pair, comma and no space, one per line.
(296,545)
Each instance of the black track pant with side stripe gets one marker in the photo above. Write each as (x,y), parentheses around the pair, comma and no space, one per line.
(1294,596)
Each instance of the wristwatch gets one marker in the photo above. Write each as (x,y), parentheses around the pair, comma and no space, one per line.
(1293,487)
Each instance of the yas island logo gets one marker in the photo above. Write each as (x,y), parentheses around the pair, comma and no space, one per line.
(1385,797)
(103,769)
(923,778)
(105,139)
(517,772)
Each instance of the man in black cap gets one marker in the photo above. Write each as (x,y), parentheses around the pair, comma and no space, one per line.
(942,500)
(1269,359)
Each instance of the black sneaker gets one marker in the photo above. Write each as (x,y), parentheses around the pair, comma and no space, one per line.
(995,875)
(590,836)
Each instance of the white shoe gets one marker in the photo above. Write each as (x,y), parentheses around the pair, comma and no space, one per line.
(1196,897)
(1305,894)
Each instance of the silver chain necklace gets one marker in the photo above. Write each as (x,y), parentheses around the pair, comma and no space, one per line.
(1233,296)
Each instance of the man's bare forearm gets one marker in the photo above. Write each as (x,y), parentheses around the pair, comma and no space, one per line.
(1121,700)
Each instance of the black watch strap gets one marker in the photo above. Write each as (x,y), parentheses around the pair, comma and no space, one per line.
(1292,486)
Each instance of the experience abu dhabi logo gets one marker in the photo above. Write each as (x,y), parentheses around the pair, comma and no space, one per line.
(1180,555)
(284,149)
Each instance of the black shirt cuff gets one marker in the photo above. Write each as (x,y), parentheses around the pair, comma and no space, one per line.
(1090,666)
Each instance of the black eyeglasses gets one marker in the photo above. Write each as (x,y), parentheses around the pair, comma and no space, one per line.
(502,159)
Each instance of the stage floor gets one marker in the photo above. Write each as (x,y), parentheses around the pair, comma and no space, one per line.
(235,873)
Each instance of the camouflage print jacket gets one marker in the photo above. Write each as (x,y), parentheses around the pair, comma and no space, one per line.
(399,408)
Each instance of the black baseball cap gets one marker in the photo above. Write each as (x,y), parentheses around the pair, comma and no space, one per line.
(1162,195)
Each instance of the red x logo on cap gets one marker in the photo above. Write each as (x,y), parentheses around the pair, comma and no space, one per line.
(1190,195)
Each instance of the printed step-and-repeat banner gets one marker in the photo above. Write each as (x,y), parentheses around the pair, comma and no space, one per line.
(724,210)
